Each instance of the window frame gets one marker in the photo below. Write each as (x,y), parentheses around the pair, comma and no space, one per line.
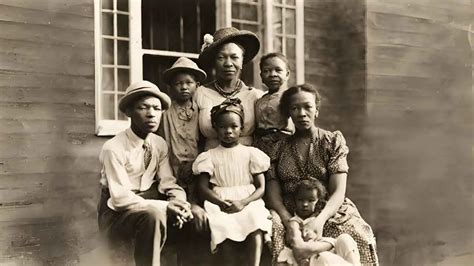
(105,127)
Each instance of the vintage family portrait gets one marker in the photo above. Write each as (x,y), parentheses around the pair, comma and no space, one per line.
(236,132)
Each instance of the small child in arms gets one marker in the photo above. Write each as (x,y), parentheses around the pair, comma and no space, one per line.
(307,250)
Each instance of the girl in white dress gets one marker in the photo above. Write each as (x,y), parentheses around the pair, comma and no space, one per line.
(232,184)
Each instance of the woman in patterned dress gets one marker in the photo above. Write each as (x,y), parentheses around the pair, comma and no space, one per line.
(313,153)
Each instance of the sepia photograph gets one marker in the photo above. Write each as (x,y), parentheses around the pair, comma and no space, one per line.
(237,132)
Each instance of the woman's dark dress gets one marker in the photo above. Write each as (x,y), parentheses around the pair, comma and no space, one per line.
(327,155)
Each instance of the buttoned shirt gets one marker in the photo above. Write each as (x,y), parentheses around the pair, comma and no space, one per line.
(123,172)
(268,115)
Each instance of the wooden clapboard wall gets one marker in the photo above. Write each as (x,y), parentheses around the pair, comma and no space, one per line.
(48,153)
(418,138)
(335,41)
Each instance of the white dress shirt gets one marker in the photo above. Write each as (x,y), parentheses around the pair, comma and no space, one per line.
(123,172)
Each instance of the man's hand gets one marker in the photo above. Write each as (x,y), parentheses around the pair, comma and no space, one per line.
(181,210)
(200,221)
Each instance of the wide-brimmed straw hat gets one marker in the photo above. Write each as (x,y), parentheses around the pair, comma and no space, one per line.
(247,39)
(184,64)
(142,88)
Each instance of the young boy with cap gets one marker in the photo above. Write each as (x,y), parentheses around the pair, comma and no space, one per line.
(180,126)
(136,176)
(180,129)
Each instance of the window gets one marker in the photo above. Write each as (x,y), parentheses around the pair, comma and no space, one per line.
(139,39)
(279,24)
(171,29)
(112,63)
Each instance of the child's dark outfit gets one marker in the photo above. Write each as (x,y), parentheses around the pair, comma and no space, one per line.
(272,126)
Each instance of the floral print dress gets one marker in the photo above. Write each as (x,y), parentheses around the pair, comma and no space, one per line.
(327,156)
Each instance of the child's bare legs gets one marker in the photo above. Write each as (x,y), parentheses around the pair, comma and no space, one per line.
(346,247)
(254,242)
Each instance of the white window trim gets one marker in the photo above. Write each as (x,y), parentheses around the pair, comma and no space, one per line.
(226,21)
(300,42)
(103,127)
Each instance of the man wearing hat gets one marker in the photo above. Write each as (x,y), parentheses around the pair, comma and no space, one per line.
(139,190)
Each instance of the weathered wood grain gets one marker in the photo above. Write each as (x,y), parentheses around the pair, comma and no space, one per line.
(45,80)
(47,111)
(82,7)
(418,135)
(46,34)
(44,17)
(48,126)
(46,51)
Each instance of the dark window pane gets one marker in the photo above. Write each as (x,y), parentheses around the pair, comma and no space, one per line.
(122,25)
(277,44)
(290,2)
(107,51)
(107,4)
(123,79)
(122,5)
(290,21)
(107,24)
(277,19)
(108,106)
(153,68)
(176,25)
(292,79)
(290,48)
(107,79)
(243,11)
(122,53)
(191,31)
(121,116)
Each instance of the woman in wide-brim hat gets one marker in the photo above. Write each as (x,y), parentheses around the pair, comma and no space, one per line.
(226,52)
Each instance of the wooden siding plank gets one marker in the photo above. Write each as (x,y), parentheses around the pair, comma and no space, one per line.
(457,9)
(391,68)
(46,34)
(48,164)
(385,37)
(42,17)
(404,54)
(45,80)
(80,7)
(410,10)
(31,181)
(31,111)
(390,22)
(35,65)
(59,207)
(35,145)
(41,126)
(15,94)
(47,51)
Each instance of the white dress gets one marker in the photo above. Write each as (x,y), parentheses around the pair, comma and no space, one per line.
(231,171)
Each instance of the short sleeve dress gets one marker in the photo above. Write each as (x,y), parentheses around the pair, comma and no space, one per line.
(327,155)
(231,171)
(206,97)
